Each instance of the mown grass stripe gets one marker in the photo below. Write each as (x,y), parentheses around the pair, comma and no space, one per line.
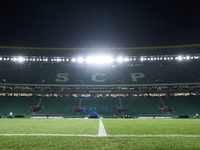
(88,135)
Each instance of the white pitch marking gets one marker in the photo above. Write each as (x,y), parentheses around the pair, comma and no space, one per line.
(102,131)
(89,135)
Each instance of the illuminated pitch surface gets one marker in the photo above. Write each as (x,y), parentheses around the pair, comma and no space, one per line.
(152,127)
(56,127)
(49,126)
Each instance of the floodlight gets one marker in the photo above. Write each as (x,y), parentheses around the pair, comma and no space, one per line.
(80,59)
(126,59)
(141,58)
(104,59)
(180,57)
(99,60)
(73,60)
(187,57)
(109,59)
(119,59)
(20,59)
(90,59)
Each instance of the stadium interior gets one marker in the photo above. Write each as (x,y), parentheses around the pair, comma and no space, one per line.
(148,82)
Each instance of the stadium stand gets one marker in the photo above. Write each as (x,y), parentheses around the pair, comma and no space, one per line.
(147,81)
(17,106)
(120,75)
(184,105)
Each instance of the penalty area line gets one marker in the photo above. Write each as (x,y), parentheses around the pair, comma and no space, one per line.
(88,135)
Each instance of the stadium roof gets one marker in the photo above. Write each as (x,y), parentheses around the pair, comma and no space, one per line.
(175,49)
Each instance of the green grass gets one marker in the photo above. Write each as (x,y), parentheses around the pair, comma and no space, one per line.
(112,126)
(78,143)
(152,126)
(48,126)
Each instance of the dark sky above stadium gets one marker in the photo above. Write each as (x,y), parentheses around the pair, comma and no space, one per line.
(99,23)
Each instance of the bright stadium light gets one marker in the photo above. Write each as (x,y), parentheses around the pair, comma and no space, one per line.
(20,59)
(99,59)
(187,57)
(58,59)
(102,59)
(179,57)
(73,60)
(80,59)
(126,59)
(90,59)
(109,59)
(142,59)
(119,59)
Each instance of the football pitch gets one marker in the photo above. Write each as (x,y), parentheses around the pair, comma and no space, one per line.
(99,134)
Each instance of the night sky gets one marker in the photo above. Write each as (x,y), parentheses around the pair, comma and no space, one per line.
(99,23)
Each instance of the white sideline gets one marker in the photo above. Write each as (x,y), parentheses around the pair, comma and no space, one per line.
(102,131)
(89,135)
